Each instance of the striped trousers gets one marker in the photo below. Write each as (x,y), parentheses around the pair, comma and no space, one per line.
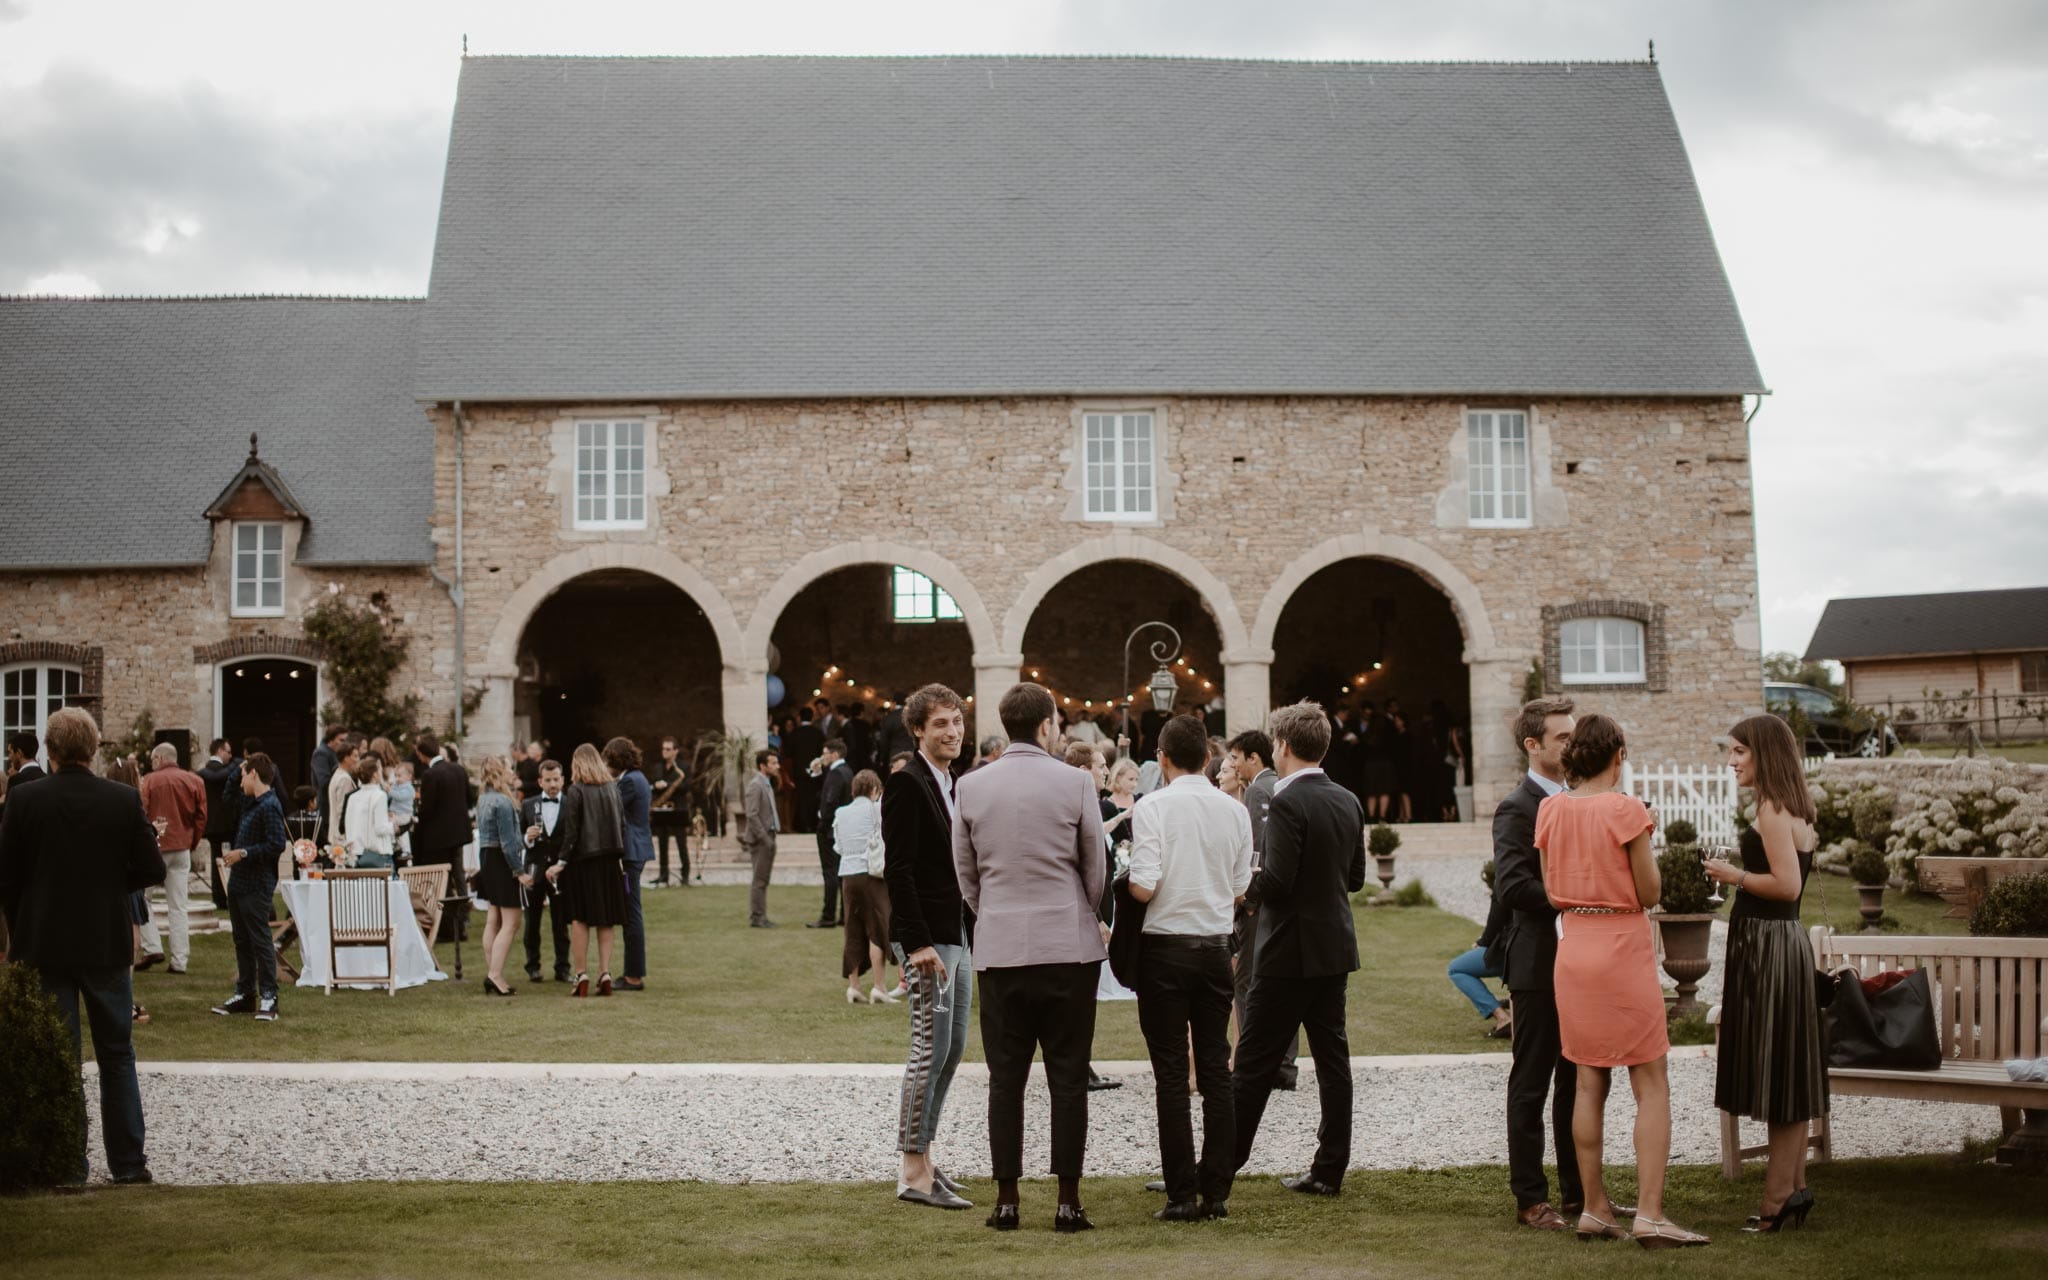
(938,1040)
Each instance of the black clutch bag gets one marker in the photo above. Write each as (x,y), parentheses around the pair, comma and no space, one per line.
(1126,936)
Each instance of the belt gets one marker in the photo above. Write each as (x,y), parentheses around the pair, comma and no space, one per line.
(1603,911)
(1187,941)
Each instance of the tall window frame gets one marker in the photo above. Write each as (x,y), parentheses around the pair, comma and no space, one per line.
(2034,672)
(1498,476)
(1120,466)
(30,691)
(915,599)
(1603,649)
(611,473)
(257,569)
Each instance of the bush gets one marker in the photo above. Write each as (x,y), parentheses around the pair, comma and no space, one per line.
(1382,841)
(1693,1028)
(1685,885)
(42,1128)
(1412,894)
(1867,865)
(1870,811)
(2016,907)
(1486,874)
(1679,831)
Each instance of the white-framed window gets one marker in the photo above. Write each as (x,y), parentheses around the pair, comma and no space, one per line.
(611,475)
(1119,469)
(1497,475)
(259,569)
(30,691)
(2034,672)
(1601,651)
(916,598)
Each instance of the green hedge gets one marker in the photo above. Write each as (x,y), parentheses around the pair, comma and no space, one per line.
(42,1125)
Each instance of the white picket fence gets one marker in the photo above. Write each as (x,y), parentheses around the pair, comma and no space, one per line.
(1703,795)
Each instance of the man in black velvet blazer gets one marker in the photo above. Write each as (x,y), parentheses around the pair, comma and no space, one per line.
(538,815)
(1543,729)
(1306,948)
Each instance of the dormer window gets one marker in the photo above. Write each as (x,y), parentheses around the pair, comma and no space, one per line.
(251,514)
(259,569)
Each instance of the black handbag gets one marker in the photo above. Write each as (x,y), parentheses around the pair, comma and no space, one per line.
(1825,987)
(1126,936)
(1893,1029)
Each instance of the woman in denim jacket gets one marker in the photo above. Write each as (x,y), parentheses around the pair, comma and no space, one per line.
(501,868)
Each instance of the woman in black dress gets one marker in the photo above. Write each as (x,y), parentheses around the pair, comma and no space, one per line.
(592,874)
(1770,1065)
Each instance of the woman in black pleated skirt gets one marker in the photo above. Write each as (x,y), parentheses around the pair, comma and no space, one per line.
(1771,1064)
(592,876)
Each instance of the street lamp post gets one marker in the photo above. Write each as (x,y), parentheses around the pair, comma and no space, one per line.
(1163,686)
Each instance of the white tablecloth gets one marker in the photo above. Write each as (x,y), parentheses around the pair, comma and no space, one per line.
(307,900)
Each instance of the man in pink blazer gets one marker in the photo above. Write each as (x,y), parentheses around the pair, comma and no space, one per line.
(1029,851)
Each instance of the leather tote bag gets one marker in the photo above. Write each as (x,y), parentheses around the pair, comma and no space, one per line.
(1892,1028)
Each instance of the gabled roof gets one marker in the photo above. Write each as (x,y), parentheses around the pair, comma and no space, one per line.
(154,400)
(1946,623)
(648,228)
(255,471)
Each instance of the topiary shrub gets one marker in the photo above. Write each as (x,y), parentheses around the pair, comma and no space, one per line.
(1382,840)
(1686,889)
(42,1127)
(2016,907)
(1867,865)
(1679,831)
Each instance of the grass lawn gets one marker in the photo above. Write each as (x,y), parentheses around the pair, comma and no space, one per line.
(1917,913)
(1919,1217)
(721,992)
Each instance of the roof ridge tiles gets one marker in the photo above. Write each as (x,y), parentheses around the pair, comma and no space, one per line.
(1422,63)
(210,297)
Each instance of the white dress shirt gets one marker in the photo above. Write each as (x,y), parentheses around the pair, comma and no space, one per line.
(945,780)
(1191,845)
(1280,784)
(550,811)
(1545,785)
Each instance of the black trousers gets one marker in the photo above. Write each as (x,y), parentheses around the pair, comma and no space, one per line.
(1048,1008)
(666,834)
(1539,1069)
(1247,932)
(255,951)
(1276,1009)
(1184,997)
(538,901)
(828,862)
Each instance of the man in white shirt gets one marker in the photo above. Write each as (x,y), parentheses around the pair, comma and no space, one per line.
(1191,860)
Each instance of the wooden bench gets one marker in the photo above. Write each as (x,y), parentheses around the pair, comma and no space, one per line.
(1989,1006)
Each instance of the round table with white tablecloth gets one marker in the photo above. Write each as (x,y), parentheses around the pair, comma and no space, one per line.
(413,962)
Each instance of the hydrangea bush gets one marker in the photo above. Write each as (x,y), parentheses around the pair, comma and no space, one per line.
(1970,808)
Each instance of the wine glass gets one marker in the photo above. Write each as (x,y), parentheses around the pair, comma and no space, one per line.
(1719,852)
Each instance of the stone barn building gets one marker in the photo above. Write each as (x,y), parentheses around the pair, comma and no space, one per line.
(1416,381)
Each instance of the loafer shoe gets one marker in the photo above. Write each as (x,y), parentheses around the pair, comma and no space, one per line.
(1309,1186)
(1071,1218)
(1180,1211)
(937,1198)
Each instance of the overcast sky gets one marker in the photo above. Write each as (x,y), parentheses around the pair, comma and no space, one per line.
(1876,172)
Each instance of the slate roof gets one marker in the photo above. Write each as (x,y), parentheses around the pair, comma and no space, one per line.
(1949,622)
(821,227)
(123,418)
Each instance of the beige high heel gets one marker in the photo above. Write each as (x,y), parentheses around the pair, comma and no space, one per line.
(1593,1228)
(878,996)
(853,996)
(1666,1234)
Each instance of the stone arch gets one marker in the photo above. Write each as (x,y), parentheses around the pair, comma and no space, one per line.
(259,646)
(1124,545)
(1406,552)
(980,625)
(501,658)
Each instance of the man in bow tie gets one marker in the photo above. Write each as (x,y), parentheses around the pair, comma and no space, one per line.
(540,815)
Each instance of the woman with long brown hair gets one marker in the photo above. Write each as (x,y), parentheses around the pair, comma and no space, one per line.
(1770,1064)
(501,868)
(1594,841)
(592,873)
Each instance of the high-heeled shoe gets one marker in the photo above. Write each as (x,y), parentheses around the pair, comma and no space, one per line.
(1666,1234)
(582,987)
(878,996)
(853,996)
(1595,1228)
(492,989)
(1792,1213)
(604,984)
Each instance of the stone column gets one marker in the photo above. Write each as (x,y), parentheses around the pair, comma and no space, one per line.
(994,673)
(743,689)
(1247,689)
(1496,697)
(490,728)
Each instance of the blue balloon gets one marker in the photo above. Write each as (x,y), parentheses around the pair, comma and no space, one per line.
(775,691)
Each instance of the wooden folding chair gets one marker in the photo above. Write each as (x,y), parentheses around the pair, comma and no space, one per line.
(425,886)
(359,916)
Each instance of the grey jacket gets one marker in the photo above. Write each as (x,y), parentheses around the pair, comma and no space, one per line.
(760,812)
(1258,800)
(1030,855)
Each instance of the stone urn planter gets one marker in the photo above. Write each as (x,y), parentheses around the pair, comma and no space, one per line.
(1380,842)
(1870,901)
(1687,938)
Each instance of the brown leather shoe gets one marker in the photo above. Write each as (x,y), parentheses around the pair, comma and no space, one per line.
(1542,1217)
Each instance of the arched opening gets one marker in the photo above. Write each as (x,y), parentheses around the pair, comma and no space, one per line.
(855,638)
(1381,646)
(1074,642)
(276,702)
(616,652)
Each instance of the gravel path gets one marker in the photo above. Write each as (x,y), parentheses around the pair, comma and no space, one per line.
(238,1123)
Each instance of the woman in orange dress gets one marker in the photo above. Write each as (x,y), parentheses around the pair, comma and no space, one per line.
(1595,844)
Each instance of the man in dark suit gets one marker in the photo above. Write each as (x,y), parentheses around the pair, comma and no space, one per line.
(538,815)
(929,930)
(860,739)
(1305,948)
(72,848)
(800,747)
(1251,754)
(1544,729)
(441,826)
(21,758)
(835,788)
(326,763)
(222,777)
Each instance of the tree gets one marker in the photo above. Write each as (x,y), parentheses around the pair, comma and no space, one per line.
(1789,667)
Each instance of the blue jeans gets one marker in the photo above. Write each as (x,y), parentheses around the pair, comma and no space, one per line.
(255,950)
(938,1040)
(636,924)
(108,996)
(1466,972)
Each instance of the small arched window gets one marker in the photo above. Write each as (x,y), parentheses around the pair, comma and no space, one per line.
(30,691)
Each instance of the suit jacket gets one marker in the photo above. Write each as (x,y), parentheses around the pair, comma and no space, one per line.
(1029,852)
(860,744)
(72,848)
(892,738)
(223,780)
(546,851)
(759,802)
(835,790)
(802,745)
(1530,944)
(924,892)
(1258,801)
(441,813)
(1314,860)
(636,795)
(591,824)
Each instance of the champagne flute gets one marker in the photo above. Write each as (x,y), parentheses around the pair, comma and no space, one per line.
(1719,852)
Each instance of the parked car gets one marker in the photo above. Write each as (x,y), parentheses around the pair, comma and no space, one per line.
(1828,730)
